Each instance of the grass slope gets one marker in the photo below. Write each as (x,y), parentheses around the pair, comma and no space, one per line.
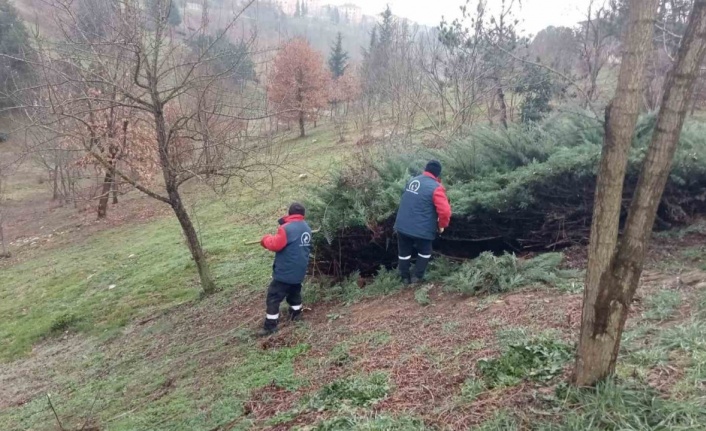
(148,354)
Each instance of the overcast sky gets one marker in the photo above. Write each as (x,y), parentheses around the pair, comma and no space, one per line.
(534,14)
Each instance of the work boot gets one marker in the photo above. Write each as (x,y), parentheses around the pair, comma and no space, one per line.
(269,328)
(404,267)
(420,268)
(295,315)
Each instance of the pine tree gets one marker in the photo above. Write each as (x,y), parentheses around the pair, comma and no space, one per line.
(14,41)
(373,40)
(386,27)
(536,88)
(338,59)
(298,11)
(305,8)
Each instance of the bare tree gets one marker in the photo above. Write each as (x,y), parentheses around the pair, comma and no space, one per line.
(175,101)
(614,266)
(670,27)
(597,39)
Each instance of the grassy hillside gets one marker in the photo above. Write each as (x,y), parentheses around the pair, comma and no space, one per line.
(107,319)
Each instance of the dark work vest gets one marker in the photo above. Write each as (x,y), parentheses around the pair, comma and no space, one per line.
(292,261)
(416,216)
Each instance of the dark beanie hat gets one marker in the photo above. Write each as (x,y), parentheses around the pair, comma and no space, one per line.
(297,208)
(434,168)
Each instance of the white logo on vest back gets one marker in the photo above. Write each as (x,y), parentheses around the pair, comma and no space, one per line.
(306,239)
(414,186)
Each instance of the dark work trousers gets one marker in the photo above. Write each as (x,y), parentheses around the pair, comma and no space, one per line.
(406,245)
(276,293)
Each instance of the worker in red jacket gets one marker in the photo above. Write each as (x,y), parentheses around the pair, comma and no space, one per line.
(424,213)
(292,245)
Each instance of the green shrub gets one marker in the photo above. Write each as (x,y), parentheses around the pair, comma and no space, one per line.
(509,335)
(357,391)
(63,322)
(440,268)
(386,282)
(540,360)
(375,423)
(525,185)
(421,295)
(347,291)
(471,388)
(496,274)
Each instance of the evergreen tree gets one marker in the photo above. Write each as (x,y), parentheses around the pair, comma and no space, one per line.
(336,15)
(298,11)
(305,8)
(386,27)
(373,40)
(13,42)
(537,89)
(338,59)
(231,59)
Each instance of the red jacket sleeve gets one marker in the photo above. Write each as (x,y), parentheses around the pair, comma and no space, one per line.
(275,242)
(443,209)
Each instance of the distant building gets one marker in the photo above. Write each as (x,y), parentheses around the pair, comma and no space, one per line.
(351,13)
(289,7)
(194,7)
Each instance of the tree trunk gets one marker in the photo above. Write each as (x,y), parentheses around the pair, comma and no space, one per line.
(2,239)
(55,186)
(192,240)
(114,186)
(171,185)
(501,102)
(619,283)
(65,186)
(301,125)
(602,312)
(679,88)
(105,195)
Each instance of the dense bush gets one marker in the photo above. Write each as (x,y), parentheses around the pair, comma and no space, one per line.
(498,274)
(527,187)
(540,360)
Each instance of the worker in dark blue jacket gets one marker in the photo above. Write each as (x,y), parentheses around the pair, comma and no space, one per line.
(292,245)
(424,213)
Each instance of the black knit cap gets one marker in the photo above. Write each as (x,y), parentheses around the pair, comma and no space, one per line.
(297,208)
(434,168)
